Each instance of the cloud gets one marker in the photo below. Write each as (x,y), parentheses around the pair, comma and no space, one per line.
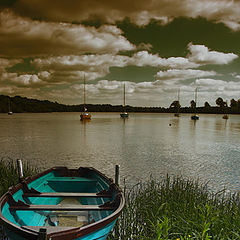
(182,74)
(200,54)
(18,33)
(138,11)
(217,85)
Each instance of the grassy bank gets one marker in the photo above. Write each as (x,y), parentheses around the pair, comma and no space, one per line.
(171,209)
(8,173)
(178,209)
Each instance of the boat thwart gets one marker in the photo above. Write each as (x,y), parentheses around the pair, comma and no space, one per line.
(62,203)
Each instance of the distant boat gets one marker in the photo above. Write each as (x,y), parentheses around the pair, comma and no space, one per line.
(62,203)
(85,115)
(124,114)
(9,107)
(177,114)
(195,116)
(225,116)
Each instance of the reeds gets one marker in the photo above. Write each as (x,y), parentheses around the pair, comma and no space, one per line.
(9,175)
(178,209)
(175,208)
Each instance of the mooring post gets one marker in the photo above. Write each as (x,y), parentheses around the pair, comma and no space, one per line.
(42,234)
(117,177)
(20,170)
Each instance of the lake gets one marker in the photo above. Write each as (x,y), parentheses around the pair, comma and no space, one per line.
(145,145)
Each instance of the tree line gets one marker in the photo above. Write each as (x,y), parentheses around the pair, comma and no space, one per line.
(20,104)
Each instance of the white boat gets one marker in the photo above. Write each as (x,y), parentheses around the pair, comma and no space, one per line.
(85,115)
(9,107)
(195,116)
(124,114)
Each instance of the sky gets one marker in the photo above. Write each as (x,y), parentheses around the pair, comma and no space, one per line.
(155,47)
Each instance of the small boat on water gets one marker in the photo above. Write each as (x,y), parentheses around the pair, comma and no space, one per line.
(124,114)
(195,116)
(85,115)
(62,203)
(9,107)
(225,116)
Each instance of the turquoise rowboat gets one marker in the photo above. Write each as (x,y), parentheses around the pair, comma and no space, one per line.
(62,203)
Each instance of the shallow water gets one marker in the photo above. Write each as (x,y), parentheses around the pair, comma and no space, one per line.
(144,145)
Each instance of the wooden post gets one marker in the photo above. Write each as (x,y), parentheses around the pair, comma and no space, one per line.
(117,177)
(42,235)
(20,170)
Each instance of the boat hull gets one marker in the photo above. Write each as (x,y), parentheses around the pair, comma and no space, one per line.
(80,204)
(124,115)
(85,116)
(195,117)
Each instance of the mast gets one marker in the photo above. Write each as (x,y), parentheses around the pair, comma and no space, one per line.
(195,100)
(84,104)
(124,94)
(178,101)
(9,108)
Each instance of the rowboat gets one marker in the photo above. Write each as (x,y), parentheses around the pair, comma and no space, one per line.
(62,203)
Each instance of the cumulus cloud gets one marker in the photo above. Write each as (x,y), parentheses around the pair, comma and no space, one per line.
(18,33)
(182,74)
(200,54)
(138,11)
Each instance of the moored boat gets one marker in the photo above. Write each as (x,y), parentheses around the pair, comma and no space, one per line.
(85,115)
(62,203)
(124,114)
(195,116)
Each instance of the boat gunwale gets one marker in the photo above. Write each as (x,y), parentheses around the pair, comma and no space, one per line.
(68,234)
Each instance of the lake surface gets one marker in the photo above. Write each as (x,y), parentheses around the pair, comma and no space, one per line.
(144,145)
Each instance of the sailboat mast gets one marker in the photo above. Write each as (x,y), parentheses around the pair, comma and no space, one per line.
(195,100)
(9,108)
(178,101)
(124,95)
(84,92)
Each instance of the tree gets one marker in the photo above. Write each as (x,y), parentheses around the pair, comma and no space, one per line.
(220,102)
(207,105)
(193,104)
(233,103)
(175,104)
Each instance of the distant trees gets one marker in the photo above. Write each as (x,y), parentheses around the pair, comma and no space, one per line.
(23,104)
(175,104)
(192,104)
(220,102)
(207,105)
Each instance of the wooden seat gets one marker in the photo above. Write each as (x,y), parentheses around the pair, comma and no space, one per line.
(68,194)
(61,208)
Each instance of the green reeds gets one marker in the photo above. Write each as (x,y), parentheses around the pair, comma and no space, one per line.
(9,174)
(178,209)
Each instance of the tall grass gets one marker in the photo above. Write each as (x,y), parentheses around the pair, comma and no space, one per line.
(9,175)
(174,208)
(178,209)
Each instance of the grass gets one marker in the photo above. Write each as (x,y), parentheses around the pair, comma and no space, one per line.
(8,173)
(178,209)
(174,208)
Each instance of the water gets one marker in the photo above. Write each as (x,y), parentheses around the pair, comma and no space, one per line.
(144,145)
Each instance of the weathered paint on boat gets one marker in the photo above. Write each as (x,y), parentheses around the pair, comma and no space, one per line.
(84,196)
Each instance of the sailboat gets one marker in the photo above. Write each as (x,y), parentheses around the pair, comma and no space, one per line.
(124,114)
(195,116)
(85,115)
(9,107)
(177,114)
(225,116)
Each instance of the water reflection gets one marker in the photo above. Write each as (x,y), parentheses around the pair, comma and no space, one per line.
(143,145)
